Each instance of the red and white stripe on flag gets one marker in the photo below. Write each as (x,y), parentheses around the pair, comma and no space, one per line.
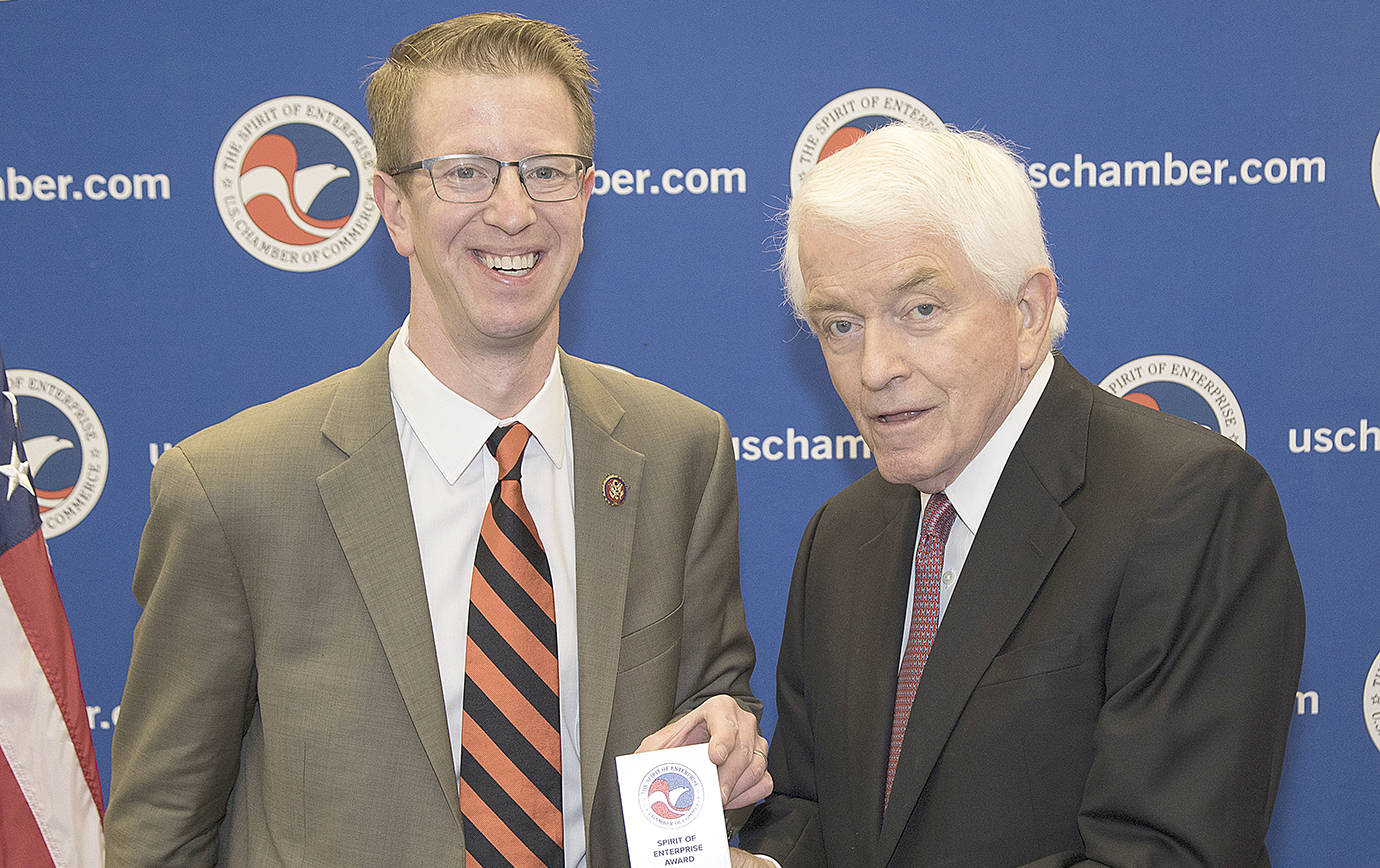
(50,792)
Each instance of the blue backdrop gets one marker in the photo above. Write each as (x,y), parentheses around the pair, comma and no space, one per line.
(1208,174)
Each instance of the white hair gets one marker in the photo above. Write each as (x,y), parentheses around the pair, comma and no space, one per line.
(966,187)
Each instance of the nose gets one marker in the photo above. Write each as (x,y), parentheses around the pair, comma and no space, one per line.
(883,356)
(510,208)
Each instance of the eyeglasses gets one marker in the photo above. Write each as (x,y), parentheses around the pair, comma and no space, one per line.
(469,178)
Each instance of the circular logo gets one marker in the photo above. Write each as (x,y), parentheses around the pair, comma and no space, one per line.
(1183,387)
(848,118)
(1370,702)
(65,444)
(1375,169)
(293,183)
(670,795)
(615,490)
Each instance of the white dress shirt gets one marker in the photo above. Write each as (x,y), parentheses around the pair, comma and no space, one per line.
(450,477)
(972,491)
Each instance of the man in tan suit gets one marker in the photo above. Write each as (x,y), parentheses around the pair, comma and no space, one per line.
(300,686)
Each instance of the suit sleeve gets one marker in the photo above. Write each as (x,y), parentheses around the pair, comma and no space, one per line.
(1203,657)
(786,824)
(189,694)
(717,656)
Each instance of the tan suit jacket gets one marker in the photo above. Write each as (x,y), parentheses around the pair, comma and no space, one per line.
(284,704)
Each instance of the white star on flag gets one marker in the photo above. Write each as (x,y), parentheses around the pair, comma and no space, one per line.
(17,471)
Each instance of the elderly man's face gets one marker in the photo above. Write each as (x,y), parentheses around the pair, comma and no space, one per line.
(926,358)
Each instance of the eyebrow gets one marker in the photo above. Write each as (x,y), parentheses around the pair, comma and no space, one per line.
(919,277)
(814,308)
(924,274)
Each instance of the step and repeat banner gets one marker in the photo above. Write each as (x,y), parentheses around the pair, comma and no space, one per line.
(1209,175)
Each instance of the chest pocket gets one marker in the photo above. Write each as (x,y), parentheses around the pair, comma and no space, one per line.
(1049,655)
(650,641)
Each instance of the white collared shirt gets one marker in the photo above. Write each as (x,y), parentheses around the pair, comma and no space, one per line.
(972,491)
(450,476)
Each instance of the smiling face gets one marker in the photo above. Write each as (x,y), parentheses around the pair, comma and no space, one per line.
(926,358)
(487,278)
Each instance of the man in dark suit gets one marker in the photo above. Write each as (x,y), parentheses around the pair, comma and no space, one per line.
(368,639)
(1086,651)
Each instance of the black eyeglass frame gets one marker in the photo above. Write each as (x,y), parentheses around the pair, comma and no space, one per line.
(586,163)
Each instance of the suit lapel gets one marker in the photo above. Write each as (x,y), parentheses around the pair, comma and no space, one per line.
(603,555)
(1023,532)
(366,498)
(875,617)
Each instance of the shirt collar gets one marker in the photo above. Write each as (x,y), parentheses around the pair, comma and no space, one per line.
(452,429)
(972,490)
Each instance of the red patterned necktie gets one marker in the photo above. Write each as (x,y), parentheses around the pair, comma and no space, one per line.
(510,752)
(924,620)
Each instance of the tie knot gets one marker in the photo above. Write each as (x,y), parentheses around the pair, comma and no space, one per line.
(506,444)
(939,516)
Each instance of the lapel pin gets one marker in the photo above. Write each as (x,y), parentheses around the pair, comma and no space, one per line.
(615,490)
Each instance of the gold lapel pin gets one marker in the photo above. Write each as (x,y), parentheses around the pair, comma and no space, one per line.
(615,490)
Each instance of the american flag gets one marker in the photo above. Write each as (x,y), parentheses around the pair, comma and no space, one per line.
(50,792)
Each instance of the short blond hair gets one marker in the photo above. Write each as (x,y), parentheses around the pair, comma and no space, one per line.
(492,43)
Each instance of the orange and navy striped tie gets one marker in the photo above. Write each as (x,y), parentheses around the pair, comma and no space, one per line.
(510,752)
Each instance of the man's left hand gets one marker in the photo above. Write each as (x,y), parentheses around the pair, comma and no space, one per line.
(734,746)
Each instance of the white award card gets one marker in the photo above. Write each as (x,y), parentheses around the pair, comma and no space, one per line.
(672,809)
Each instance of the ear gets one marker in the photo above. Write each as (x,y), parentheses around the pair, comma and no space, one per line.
(586,190)
(589,183)
(394,207)
(1035,304)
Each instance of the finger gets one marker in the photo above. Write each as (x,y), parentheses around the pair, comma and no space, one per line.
(689,729)
(739,761)
(742,859)
(754,794)
(728,727)
(749,787)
